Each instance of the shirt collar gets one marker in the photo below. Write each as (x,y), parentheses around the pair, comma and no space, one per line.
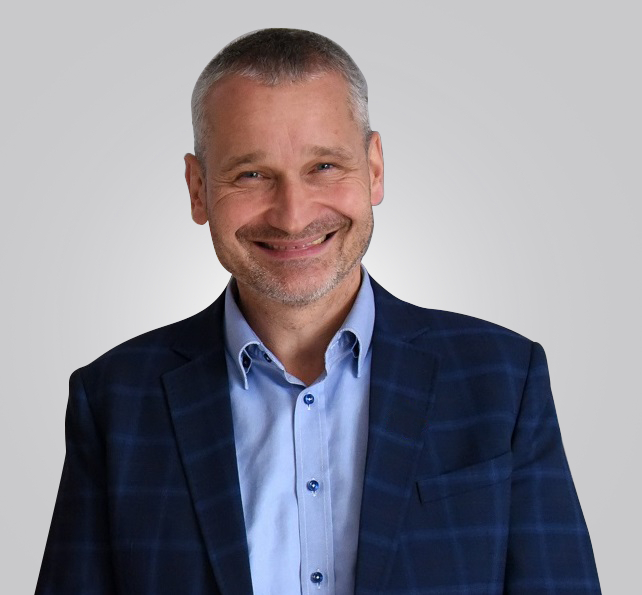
(359,322)
(238,333)
(357,328)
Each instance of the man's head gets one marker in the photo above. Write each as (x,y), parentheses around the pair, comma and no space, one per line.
(282,174)
(274,57)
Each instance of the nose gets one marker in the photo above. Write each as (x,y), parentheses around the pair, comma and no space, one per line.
(292,206)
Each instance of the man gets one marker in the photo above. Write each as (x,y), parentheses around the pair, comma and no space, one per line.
(308,432)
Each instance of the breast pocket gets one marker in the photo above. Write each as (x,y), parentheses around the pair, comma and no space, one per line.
(465,479)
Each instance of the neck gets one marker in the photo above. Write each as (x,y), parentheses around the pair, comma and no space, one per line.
(299,335)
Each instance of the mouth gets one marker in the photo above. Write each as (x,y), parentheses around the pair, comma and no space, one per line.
(297,245)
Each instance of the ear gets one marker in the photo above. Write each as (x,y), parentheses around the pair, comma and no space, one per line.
(375,164)
(195,178)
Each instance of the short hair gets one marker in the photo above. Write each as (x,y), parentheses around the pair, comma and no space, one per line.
(275,56)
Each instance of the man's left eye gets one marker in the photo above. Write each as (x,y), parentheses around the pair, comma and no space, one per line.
(324,166)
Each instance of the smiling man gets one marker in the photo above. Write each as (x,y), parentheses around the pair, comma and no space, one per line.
(308,432)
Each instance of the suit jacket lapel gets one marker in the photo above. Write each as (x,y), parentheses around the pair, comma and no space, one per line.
(401,394)
(199,402)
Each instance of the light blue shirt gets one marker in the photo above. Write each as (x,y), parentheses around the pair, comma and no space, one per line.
(301,454)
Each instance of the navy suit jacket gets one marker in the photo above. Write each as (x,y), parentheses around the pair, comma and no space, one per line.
(467,489)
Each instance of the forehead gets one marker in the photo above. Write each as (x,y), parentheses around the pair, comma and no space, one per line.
(240,111)
(227,91)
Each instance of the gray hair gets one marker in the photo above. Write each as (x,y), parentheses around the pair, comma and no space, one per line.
(274,56)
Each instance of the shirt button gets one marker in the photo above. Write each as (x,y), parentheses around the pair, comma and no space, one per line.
(312,485)
(267,358)
(316,577)
(308,400)
(246,360)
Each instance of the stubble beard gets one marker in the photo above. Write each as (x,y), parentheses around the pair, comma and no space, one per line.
(286,282)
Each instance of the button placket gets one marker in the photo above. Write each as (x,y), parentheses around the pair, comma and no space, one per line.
(315,522)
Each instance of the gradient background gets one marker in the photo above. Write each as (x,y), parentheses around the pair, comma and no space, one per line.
(511,135)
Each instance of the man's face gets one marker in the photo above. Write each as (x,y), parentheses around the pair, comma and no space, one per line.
(288,188)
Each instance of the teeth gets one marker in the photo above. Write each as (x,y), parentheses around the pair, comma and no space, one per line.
(315,243)
(321,239)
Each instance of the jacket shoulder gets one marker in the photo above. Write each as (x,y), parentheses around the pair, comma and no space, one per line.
(419,321)
(466,346)
(160,349)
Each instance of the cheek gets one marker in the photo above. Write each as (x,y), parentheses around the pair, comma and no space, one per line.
(229,214)
(351,198)
(222,229)
(357,208)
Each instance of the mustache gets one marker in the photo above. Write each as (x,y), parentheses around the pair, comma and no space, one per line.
(265,232)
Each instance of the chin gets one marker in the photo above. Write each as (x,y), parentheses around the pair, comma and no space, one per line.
(297,292)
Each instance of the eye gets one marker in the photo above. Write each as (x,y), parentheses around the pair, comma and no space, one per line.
(324,166)
(250,175)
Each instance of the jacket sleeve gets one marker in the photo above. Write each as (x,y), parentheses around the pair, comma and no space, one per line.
(549,550)
(77,555)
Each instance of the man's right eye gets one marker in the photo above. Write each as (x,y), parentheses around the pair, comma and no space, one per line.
(250,175)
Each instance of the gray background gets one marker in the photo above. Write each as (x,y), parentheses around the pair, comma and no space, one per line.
(511,136)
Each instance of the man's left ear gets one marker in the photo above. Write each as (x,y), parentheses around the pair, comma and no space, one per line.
(375,164)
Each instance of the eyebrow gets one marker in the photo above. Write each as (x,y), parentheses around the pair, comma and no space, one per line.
(338,152)
(234,162)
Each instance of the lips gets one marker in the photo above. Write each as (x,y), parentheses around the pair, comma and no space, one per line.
(299,245)
(292,246)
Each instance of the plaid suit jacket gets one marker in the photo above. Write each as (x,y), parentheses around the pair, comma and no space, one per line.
(467,489)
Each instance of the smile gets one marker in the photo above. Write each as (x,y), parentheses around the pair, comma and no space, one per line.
(296,245)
